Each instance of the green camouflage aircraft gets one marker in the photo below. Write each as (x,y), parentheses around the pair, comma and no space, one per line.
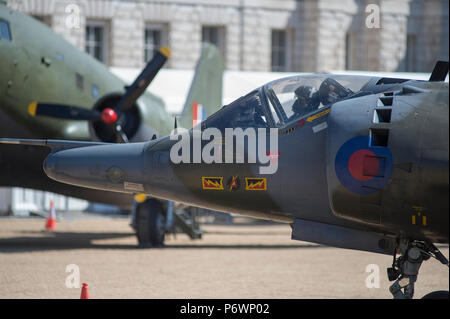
(50,89)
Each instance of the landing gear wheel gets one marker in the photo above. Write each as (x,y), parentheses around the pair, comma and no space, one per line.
(441,294)
(150,224)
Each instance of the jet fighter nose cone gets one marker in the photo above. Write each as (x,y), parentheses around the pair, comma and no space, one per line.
(116,167)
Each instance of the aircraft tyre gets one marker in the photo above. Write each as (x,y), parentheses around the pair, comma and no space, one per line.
(440,294)
(150,223)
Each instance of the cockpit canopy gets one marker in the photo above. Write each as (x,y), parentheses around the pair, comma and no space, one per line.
(282,101)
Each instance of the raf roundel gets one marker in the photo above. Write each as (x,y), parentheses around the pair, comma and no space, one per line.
(362,168)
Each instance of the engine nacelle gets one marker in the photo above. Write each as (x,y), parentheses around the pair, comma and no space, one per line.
(131,120)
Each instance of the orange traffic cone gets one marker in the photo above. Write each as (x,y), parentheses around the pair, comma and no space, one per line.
(51,223)
(84,291)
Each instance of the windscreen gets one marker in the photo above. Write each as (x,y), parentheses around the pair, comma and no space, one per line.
(244,112)
(299,95)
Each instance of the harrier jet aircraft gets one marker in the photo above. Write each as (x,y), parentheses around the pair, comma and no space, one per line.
(355,162)
(50,89)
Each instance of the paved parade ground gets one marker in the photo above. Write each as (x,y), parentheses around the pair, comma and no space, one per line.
(230,261)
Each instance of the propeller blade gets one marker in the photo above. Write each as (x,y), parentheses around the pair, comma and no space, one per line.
(439,72)
(121,136)
(62,111)
(135,90)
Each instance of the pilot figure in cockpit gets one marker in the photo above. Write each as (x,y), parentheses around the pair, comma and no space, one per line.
(332,91)
(309,98)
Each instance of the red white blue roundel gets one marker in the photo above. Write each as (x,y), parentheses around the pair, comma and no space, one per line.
(198,113)
(361,168)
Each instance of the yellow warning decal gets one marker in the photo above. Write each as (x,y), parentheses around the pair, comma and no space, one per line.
(255,184)
(316,116)
(212,182)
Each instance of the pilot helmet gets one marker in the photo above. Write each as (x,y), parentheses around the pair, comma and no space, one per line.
(305,94)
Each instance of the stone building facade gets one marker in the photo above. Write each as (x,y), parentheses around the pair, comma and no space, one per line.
(257,35)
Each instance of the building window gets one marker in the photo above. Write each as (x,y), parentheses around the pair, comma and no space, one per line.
(280,58)
(5,33)
(410,55)
(96,40)
(348,50)
(214,35)
(156,36)
(44,19)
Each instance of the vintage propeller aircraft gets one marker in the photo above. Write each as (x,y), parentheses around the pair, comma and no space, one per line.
(354,162)
(50,89)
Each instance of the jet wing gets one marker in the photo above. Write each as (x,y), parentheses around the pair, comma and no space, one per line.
(53,144)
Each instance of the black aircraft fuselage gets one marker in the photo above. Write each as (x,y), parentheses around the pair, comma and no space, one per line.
(372,160)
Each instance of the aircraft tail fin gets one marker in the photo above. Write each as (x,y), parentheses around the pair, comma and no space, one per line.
(440,71)
(205,93)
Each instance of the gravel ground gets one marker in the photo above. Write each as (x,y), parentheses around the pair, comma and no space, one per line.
(237,261)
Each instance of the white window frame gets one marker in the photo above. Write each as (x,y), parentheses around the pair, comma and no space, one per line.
(348,54)
(105,41)
(221,30)
(164,29)
(287,50)
(411,53)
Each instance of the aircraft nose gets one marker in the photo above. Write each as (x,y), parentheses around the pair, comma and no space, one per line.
(114,167)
